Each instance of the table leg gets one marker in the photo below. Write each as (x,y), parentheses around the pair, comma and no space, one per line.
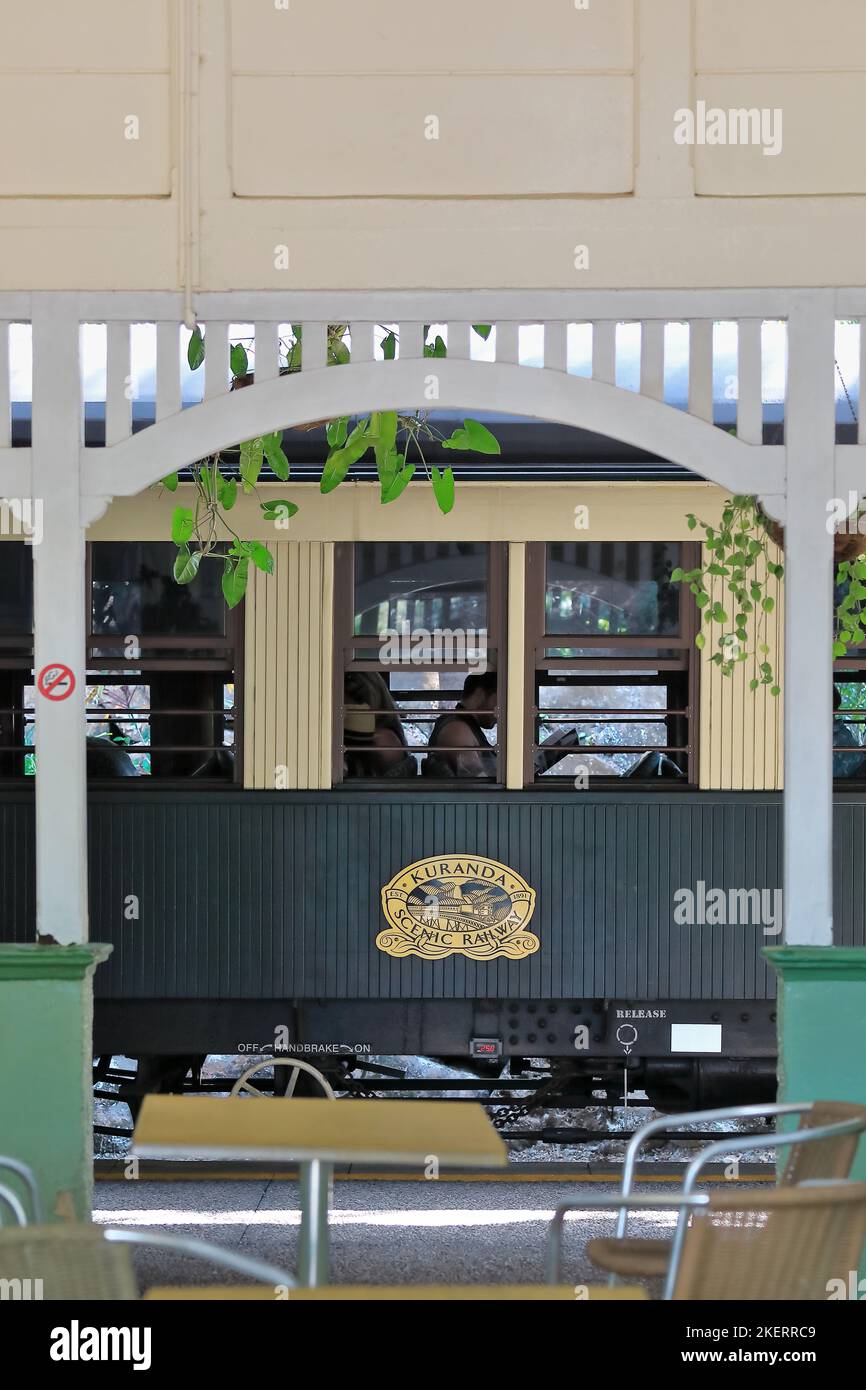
(315,1183)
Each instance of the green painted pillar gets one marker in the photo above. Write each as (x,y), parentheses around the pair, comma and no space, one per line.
(46,1107)
(822,1028)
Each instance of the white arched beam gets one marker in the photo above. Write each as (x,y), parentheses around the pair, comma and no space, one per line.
(135,463)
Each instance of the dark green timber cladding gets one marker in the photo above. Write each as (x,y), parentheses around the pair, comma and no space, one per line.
(277,894)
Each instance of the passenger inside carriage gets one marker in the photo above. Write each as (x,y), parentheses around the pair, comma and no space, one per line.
(375,742)
(461,749)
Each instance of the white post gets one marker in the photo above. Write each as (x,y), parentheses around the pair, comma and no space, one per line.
(808,802)
(59,626)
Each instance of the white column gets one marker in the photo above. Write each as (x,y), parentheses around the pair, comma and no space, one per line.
(59,620)
(808,801)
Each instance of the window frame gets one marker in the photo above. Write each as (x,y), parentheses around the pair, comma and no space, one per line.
(232,643)
(535,661)
(345,643)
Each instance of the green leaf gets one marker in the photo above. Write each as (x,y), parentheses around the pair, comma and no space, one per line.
(170,483)
(339,351)
(228,492)
(389,346)
(234,581)
(437,348)
(753,683)
(252,457)
(262,558)
(719,614)
(691,522)
(273,447)
(775,690)
(238,360)
(384,426)
(483,330)
(768,605)
(474,437)
(336,432)
(195,349)
(339,461)
(700,641)
(443,489)
(275,509)
(186,564)
(182,525)
(481,441)
(398,484)
(678,575)
(387,469)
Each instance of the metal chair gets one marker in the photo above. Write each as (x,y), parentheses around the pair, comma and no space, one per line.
(830,1129)
(68,1262)
(242,1086)
(28,1177)
(784,1244)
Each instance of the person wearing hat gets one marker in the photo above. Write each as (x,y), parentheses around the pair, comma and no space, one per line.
(375,744)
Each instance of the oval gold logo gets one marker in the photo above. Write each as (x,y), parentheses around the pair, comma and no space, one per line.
(458,904)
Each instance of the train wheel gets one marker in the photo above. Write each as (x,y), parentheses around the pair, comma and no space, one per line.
(299,1073)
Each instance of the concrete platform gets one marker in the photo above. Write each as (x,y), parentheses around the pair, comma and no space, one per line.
(384,1230)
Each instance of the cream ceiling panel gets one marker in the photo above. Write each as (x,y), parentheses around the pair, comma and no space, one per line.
(357,36)
(89,36)
(780,35)
(821,124)
(493,135)
(80,136)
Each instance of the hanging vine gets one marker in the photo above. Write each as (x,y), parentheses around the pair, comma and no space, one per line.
(398,440)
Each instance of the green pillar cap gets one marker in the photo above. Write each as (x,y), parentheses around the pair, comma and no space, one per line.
(818,962)
(31,961)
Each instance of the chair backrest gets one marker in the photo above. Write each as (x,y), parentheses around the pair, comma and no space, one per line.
(825,1158)
(64,1262)
(787,1243)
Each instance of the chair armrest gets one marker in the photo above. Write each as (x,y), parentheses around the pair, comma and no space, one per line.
(203,1250)
(694,1117)
(9,1199)
(601,1201)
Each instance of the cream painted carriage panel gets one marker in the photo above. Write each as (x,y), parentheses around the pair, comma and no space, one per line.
(75,140)
(491,135)
(821,127)
(352,36)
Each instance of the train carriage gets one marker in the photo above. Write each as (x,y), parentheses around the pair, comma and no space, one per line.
(289,862)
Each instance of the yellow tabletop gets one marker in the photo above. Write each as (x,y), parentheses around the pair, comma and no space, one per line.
(532,1293)
(344,1131)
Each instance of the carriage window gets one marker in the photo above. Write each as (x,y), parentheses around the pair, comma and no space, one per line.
(611,642)
(417,691)
(161,668)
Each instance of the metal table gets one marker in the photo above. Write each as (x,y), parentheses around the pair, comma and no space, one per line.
(316,1134)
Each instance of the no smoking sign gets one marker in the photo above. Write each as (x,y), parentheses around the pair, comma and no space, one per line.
(55,682)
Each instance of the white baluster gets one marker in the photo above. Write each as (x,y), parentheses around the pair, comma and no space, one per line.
(458,340)
(167,370)
(5,388)
(556,346)
(314,346)
(861,404)
(362,342)
(411,340)
(118,380)
(652,359)
(216,360)
(267,351)
(604,351)
(508,342)
(750,413)
(701,368)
